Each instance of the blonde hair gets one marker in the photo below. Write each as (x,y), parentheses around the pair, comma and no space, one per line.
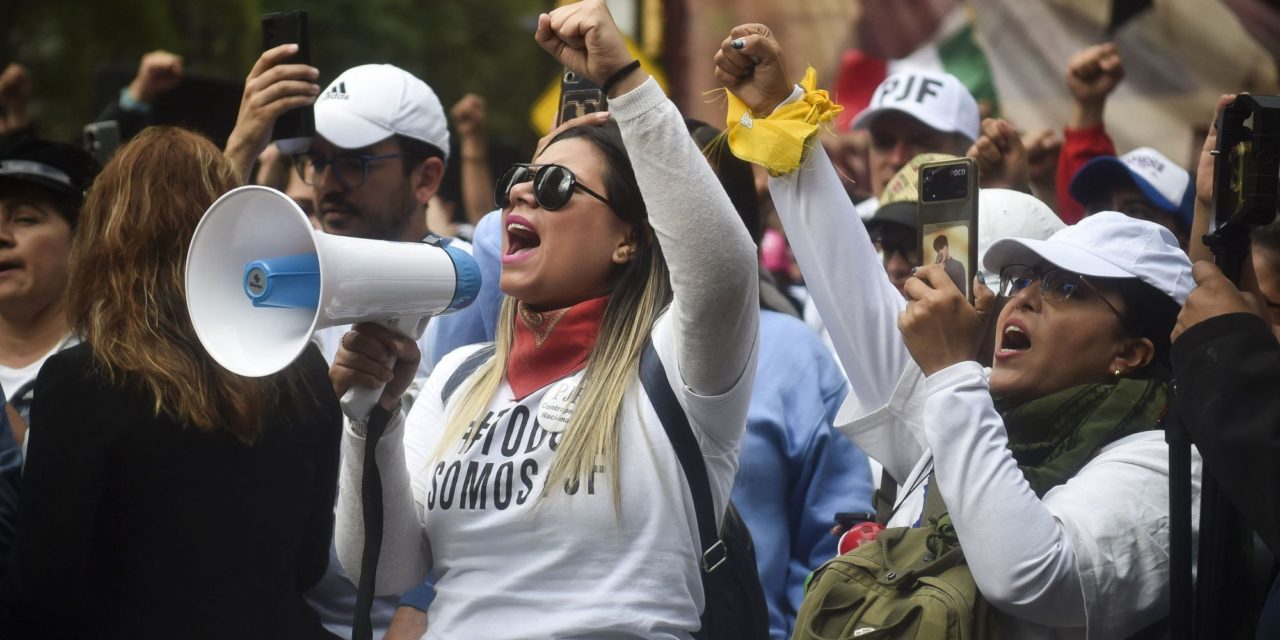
(640,294)
(127,295)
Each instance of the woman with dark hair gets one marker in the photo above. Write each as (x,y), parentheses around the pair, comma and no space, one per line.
(164,496)
(1052,466)
(544,492)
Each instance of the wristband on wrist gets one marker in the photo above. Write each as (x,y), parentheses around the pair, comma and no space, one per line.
(129,103)
(618,76)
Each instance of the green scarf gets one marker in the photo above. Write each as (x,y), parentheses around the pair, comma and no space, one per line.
(1053,437)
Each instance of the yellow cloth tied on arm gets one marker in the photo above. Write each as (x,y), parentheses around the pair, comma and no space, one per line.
(778,142)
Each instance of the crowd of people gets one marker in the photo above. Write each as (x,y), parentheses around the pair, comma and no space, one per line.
(673,321)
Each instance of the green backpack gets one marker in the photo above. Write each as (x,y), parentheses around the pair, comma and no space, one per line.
(907,583)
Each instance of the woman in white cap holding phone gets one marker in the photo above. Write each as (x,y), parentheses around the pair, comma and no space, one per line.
(542,489)
(1051,465)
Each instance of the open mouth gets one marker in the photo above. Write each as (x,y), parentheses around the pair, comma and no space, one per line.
(7,266)
(1014,339)
(521,238)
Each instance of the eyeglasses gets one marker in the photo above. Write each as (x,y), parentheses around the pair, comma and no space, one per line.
(553,185)
(350,170)
(1056,285)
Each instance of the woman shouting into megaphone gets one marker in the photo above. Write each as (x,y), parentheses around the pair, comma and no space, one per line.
(535,478)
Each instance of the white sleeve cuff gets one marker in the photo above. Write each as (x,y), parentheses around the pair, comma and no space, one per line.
(958,374)
(359,428)
(796,94)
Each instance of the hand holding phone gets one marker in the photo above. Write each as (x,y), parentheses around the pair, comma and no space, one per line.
(579,96)
(294,128)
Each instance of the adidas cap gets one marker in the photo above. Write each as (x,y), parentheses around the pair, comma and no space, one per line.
(372,102)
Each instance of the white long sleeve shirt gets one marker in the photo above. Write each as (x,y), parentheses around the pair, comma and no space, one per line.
(1090,559)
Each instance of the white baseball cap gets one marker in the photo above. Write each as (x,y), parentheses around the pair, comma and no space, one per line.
(1106,245)
(372,102)
(1166,184)
(1005,213)
(939,100)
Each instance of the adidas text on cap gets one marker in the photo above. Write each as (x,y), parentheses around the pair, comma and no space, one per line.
(373,102)
(939,100)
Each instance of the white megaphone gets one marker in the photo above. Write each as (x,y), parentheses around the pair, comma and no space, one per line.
(260,280)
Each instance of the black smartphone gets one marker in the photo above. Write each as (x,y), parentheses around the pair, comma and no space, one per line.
(948,213)
(101,139)
(849,519)
(294,128)
(578,97)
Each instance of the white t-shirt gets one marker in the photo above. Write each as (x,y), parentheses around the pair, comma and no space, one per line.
(586,571)
(18,382)
(571,566)
(14,379)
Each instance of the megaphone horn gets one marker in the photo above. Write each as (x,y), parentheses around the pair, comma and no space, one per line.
(260,281)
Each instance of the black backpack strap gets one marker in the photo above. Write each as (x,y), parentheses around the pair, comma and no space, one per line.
(885,497)
(465,370)
(674,421)
(371,506)
(371,494)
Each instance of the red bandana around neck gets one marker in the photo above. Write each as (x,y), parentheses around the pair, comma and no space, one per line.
(550,345)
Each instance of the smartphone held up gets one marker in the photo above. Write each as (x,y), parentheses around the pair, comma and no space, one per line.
(295,128)
(578,97)
(948,219)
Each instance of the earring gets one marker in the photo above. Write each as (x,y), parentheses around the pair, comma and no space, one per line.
(1117,372)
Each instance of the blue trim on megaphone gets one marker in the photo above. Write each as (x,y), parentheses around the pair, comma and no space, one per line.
(468,276)
(286,282)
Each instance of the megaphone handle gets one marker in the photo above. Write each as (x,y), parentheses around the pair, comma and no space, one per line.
(359,401)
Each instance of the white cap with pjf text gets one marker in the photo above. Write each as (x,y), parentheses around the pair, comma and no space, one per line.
(1106,245)
(372,102)
(939,100)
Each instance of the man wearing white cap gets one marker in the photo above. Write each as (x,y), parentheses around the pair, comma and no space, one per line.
(380,146)
(1143,184)
(376,160)
(915,112)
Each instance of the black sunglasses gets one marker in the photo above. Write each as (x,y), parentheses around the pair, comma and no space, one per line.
(553,185)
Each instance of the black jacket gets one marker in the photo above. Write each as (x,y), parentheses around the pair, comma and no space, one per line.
(136,526)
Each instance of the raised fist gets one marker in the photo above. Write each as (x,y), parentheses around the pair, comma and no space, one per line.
(584,38)
(749,64)
(1094,72)
(469,115)
(1002,160)
(158,72)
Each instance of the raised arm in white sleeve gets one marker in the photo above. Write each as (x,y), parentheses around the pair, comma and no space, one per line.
(709,252)
(857,303)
